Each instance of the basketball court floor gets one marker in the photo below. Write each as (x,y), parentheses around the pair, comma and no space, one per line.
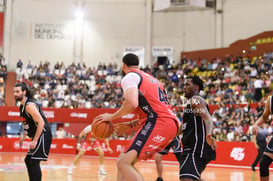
(12,168)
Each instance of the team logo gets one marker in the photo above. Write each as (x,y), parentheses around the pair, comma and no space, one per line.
(237,153)
(158,139)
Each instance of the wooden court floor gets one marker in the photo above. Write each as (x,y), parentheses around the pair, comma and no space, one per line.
(12,168)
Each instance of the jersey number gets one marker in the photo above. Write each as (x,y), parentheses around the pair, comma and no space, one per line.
(162,96)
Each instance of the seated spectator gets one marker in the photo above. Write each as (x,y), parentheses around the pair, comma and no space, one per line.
(60,133)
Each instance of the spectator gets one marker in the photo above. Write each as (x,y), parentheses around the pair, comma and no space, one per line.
(60,133)
(19,64)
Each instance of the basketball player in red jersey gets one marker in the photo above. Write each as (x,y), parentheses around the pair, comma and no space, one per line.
(143,93)
(89,142)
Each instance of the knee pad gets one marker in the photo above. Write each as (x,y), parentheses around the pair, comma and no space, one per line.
(264,166)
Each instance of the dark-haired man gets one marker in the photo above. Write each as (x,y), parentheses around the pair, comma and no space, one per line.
(36,127)
(268,152)
(143,93)
(198,144)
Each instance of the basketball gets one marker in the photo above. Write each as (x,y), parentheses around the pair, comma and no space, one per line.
(102,130)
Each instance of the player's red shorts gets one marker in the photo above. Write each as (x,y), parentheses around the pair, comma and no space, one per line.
(153,137)
(87,145)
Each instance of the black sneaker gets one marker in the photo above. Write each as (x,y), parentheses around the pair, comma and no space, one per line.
(159,179)
(253,168)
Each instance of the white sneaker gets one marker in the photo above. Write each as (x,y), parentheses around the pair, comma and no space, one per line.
(70,170)
(102,172)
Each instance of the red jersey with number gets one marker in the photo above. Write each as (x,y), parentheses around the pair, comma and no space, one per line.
(152,99)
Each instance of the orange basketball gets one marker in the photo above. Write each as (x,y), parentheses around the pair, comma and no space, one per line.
(102,130)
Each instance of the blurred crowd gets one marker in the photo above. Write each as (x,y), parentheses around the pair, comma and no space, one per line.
(229,82)
(3,77)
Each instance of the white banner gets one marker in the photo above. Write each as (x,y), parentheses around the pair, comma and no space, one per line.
(163,52)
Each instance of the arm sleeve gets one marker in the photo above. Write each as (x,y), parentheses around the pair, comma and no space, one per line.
(131,79)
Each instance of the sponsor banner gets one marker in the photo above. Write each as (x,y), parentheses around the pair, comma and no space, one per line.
(62,114)
(235,153)
(164,51)
(12,145)
(64,146)
(67,115)
(228,153)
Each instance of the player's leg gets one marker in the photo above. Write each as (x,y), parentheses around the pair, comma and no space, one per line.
(266,161)
(158,161)
(191,167)
(78,157)
(36,170)
(76,160)
(126,168)
(159,166)
(29,166)
(150,139)
(38,154)
(264,166)
(101,160)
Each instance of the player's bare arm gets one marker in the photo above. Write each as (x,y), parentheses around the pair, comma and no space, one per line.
(263,118)
(200,108)
(121,128)
(33,111)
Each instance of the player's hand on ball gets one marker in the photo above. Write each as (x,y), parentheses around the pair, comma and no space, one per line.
(103,117)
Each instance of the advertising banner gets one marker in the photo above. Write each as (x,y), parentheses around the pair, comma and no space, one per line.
(62,114)
(228,153)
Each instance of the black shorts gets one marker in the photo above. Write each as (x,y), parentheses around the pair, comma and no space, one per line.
(269,147)
(41,151)
(175,145)
(192,166)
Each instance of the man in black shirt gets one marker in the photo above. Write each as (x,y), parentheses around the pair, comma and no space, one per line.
(197,141)
(36,127)
(260,143)
(268,152)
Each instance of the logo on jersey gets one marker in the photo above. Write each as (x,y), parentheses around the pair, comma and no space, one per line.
(153,147)
(237,153)
(146,128)
(139,143)
(184,126)
(158,139)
